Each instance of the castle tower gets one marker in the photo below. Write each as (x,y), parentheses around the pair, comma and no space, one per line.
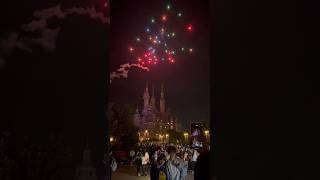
(137,118)
(86,171)
(146,98)
(162,101)
(153,99)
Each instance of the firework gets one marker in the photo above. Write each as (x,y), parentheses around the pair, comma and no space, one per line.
(160,41)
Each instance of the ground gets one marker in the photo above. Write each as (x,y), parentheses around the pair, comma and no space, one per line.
(127,172)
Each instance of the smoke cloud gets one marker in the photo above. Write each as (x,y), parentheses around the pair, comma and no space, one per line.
(47,37)
(123,71)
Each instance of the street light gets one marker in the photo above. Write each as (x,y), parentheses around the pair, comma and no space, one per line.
(206,132)
(111,139)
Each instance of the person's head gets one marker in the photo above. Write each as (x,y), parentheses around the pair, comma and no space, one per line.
(172,151)
(161,159)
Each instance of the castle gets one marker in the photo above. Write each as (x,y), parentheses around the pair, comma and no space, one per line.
(152,121)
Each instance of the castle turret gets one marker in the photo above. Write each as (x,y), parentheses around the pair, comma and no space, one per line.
(162,100)
(146,98)
(137,118)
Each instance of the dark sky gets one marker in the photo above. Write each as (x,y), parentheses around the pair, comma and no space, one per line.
(57,92)
(187,81)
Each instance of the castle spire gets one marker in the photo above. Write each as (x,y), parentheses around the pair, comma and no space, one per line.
(146,97)
(162,100)
(162,91)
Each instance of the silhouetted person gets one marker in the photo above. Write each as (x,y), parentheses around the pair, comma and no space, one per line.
(202,168)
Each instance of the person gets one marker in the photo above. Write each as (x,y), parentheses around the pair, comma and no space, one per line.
(138,161)
(195,155)
(202,168)
(145,162)
(171,169)
(160,171)
(153,164)
(183,166)
(132,154)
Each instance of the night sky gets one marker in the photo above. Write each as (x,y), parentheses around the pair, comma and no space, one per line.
(186,83)
(63,91)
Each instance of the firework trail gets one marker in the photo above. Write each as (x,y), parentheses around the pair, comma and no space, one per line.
(47,37)
(123,71)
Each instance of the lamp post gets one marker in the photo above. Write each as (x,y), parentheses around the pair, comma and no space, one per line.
(186,135)
(207,134)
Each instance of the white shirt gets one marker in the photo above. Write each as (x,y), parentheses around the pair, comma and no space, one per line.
(145,158)
(195,156)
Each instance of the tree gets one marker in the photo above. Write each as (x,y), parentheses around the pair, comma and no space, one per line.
(121,126)
(175,137)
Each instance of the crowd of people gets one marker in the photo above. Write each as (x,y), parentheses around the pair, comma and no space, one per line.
(164,162)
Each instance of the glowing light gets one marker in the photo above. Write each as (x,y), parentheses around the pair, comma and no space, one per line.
(168,7)
(168,35)
(146,131)
(190,50)
(148,30)
(179,14)
(139,59)
(150,38)
(164,17)
(152,20)
(173,34)
(131,49)
(111,139)
(138,39)
(182,49)
(206,132)
(189,28)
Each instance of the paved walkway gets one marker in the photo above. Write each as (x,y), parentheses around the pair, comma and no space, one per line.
(126,172)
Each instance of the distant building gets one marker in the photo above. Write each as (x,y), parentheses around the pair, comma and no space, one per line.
(156,122)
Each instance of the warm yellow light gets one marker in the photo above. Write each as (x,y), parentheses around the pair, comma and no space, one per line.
(146,131)
(185,134)
(206,132)
(167,135)
(111,139)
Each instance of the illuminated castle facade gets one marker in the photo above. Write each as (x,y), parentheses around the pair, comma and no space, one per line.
(156,121)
